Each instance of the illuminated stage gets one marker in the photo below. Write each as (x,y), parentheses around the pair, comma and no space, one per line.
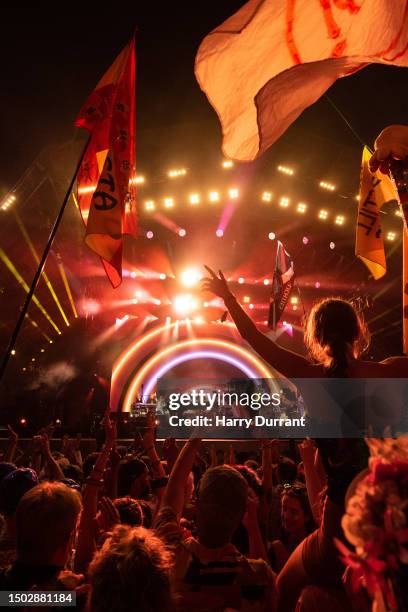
(170,348)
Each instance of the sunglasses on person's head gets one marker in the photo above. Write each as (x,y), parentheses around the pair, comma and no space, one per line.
(297,489)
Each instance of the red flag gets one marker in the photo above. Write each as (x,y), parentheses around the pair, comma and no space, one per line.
(282,284)
(106,188)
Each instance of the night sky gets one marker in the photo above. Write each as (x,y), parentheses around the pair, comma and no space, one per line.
(52,57)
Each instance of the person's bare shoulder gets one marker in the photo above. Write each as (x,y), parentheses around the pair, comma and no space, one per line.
(396,367)
(392,367)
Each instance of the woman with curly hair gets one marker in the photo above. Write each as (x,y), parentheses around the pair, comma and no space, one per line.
(130,572)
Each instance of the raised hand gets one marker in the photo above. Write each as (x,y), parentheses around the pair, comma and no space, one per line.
(390,145)
(149,437)
(110,430)
(13,437)
(216,284)
(108,514)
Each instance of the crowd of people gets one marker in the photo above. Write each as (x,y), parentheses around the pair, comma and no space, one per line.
(159,526)
(319,525)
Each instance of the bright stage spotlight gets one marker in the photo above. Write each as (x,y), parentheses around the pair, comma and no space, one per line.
(194,198)
(323,214)
(317,285)
(326,185)
(199,320)
(286,170)
(182,232)
(267,196)
(177,173)
(332,246)
(305,240)
(241,280)
(251,306)
(294,299)
(133,274)
(391,236)
(233,193)
(219,233)
(7,203)
(301,208)
(162,276)
(149,235)
(137,180)
(227,163)
(149,205)
(398,213)
(266,282)
(339,220)
(284,202)
(358,197)
(169,202)
(247,299)
(214,196)
(271,235)
(185,304)
(13,352)
(190,277)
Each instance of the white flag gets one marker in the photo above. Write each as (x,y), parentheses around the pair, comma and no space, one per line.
(272,59)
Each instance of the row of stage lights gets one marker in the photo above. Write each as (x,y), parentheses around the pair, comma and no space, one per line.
(7,203)
(339,220)
(227,164)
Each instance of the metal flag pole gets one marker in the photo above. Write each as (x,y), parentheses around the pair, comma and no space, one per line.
(41,265)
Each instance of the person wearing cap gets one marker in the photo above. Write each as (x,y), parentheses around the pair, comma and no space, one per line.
(12,488)
(209,573)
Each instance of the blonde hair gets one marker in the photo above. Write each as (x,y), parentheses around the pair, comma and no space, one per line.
(131,572)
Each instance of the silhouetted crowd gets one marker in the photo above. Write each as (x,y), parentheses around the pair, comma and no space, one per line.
(163,526)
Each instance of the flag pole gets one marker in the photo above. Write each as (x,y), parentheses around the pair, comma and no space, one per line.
(40,268)
(399,173)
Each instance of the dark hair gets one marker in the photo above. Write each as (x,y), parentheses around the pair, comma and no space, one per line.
(130,511)
(334,330)
(287,470)
(129,470)
(251,477)
(298,491)
(88,464)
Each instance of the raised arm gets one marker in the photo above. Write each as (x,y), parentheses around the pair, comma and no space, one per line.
(287,362)
(174,494)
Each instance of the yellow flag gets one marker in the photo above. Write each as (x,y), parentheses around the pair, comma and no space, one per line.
(375,190)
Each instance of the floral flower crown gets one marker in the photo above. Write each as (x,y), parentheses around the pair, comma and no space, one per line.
(376,523)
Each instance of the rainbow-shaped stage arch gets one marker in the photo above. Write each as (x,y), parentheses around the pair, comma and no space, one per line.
(146,359)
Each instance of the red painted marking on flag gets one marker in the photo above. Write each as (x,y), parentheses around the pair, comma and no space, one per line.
(339,48)
(333,29)
(290,19)
(395,41)
(400,54)
(347,5)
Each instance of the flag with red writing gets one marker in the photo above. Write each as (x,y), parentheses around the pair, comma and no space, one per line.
(106,181)
(282,284)
(272,59)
